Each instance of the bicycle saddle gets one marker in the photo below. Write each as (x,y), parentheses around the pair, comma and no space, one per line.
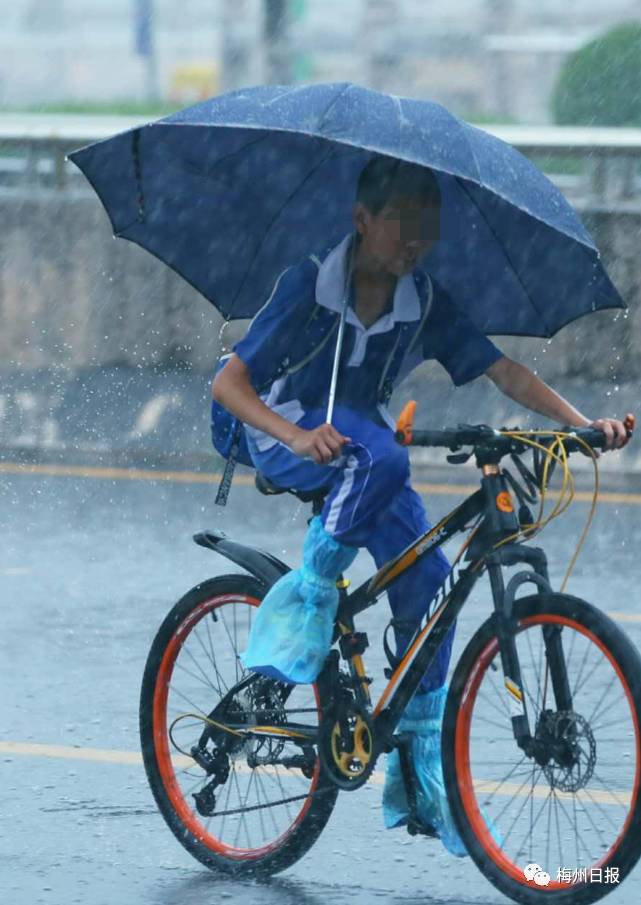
(264,485)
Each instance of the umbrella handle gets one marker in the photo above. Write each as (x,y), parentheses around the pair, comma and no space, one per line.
(337,355)
(341,331)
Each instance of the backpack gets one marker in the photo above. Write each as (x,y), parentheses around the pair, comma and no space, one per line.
(227,433)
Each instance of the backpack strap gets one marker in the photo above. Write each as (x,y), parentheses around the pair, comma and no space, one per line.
(230,466)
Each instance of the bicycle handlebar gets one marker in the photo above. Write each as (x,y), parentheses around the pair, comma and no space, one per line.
(480,436)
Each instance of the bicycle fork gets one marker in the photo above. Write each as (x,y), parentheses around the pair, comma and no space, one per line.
(552,638)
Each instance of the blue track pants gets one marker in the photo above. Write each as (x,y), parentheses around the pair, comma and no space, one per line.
(370,504)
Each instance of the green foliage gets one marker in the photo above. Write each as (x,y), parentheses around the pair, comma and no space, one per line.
(106,108)
(600,84)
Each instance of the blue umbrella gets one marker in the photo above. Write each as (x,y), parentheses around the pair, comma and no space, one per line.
(231,191)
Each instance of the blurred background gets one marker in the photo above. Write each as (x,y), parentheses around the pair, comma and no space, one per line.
(560,81)
(106,358)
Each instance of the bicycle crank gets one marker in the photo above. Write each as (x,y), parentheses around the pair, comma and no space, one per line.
(346,747)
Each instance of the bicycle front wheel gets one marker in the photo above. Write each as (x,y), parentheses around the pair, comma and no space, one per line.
(239,803)
(565,827)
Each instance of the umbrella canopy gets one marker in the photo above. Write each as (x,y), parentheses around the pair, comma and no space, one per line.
(231,191)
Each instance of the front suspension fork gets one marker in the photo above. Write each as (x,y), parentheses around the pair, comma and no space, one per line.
(505,629)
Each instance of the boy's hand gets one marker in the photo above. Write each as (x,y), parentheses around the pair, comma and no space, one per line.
(614,430)
(322,444)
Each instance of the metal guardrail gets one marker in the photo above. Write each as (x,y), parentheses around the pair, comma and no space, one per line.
(592,166)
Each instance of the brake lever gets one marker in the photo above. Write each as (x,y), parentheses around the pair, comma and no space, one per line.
(458,458)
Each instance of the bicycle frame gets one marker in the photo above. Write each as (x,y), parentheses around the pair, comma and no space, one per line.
(492,505)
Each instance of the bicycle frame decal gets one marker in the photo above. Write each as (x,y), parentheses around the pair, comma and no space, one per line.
(448,526)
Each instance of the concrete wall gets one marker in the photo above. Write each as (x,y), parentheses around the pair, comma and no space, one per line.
(71,296)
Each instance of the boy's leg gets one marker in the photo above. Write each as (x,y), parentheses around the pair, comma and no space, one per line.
(291,634)
(374,471)
(409,596)
(363,481)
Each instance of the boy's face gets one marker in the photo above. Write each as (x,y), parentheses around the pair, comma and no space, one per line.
(401,233)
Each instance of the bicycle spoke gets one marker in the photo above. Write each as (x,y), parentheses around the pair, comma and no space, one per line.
(507,835)
(185,698)
(558,829)
(195,676)
(500,696)
(597,707)
(516,794)
(602,812)
(234,647)
(580,676)
(271,813)
(212,657)
(536,820)
(623,804)
(260,812)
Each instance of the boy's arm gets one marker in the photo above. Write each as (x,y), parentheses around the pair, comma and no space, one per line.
(520,384)
(232,387)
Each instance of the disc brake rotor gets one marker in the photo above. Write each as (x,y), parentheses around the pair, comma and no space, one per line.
(572,749)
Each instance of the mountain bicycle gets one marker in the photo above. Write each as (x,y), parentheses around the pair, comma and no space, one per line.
(541,738)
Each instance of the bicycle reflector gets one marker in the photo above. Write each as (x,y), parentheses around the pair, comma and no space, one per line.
(405,423)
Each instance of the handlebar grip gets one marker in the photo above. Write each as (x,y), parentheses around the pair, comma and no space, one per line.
(445,438)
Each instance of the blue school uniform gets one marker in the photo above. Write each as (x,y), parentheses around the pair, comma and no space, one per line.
(370,502)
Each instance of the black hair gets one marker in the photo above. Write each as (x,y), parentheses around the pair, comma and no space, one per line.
(382,177)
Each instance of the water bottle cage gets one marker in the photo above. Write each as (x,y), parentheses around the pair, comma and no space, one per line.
(392,659)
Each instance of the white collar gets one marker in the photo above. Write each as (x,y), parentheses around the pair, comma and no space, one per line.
(330,285)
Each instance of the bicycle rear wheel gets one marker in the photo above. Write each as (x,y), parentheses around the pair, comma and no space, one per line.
(239,804)
(576,817)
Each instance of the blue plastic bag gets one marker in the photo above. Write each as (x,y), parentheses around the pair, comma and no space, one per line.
(422,719)
(292,631)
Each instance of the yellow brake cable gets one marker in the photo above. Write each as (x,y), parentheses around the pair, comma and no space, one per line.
(567,488)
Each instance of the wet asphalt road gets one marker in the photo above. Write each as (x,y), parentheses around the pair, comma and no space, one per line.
(89,566)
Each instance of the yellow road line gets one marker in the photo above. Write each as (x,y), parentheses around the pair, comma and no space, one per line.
(66,752)
(599,796)
(112,756)
(196,477)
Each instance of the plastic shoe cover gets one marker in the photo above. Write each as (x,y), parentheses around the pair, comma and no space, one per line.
(422,718)
(292,631)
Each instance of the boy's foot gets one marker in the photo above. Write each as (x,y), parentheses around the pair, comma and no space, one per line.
(414,793)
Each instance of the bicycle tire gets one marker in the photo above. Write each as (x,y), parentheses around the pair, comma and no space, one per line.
(185,823)
(486,850)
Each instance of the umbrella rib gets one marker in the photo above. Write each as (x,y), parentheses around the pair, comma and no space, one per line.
(270,225)
(333,101)
(506,255)
(209,173)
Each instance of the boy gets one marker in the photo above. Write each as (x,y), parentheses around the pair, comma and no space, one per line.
(397,317)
